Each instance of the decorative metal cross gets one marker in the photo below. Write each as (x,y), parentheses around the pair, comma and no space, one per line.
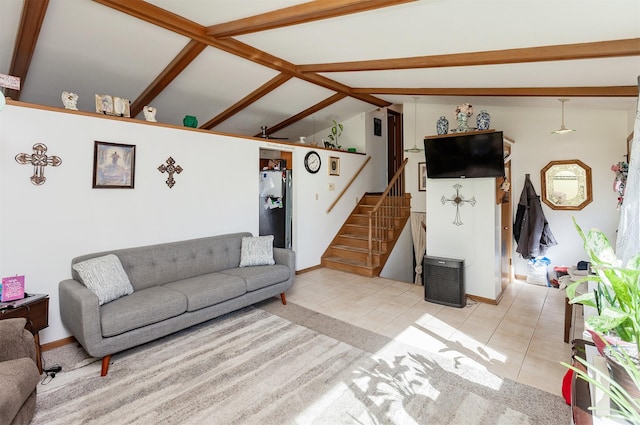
(39,160)
(171,169)
(458,200)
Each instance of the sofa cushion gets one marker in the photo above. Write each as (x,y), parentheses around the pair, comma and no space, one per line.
(20,378)
(256,251)
(105,277)
(209,289)
(140,309)
(260,276)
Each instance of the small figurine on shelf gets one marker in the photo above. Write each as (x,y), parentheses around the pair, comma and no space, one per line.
(149,113)
(69,100)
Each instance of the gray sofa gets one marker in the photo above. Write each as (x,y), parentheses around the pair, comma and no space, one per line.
(175,285)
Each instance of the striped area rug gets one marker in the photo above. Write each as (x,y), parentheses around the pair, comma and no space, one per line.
(254,367)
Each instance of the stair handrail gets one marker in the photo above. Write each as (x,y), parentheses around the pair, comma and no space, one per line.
(349,184)
(379,223)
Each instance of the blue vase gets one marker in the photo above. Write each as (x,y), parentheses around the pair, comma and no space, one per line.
(442,125)
(483,120)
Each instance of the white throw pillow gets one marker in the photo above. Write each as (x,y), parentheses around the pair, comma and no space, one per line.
(105,277)
(257,251)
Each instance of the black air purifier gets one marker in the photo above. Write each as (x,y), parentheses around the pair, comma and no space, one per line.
(443,280)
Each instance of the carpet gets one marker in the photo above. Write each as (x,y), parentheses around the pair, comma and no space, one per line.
(255,367)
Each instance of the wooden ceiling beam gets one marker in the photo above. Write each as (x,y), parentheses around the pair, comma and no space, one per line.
(266,88)
(595,50)
(298,14)
(33,13)
(177,65)
(613,91)
(162,18)
(297,117)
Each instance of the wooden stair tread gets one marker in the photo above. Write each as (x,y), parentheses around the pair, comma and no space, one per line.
(348,261)
(361,237)
(356,249)
(351,245)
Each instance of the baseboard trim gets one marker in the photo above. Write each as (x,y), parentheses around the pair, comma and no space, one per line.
(309,269)
(58,343)
(484,300)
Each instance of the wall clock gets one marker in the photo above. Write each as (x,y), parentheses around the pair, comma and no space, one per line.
(312,162)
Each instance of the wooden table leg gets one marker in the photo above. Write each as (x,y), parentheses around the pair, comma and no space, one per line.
(568,315)
(36,338)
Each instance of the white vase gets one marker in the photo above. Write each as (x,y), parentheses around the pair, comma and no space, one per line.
(462,121)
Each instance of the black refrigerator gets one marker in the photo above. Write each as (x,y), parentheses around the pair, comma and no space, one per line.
(275,206)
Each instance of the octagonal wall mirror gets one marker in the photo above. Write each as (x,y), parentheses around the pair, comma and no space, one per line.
(566,185)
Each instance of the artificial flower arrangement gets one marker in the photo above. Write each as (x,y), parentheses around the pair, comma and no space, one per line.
(465,108)
(621,169)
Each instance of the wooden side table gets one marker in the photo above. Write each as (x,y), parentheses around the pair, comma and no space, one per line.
(35,309)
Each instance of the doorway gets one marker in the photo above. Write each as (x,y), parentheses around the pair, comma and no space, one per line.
(506,219)
(275,209)
(395,145)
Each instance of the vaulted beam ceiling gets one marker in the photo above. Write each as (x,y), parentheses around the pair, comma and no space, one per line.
(248,100)
(309,111)
(298,14)
(169,21)
(177,65)
(219,37)
(33,12)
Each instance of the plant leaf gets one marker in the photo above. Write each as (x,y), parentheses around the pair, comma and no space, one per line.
(608,320)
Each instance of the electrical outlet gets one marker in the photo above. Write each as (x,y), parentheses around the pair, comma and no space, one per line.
(332,186)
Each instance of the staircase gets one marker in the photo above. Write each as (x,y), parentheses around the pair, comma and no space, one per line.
(364,242)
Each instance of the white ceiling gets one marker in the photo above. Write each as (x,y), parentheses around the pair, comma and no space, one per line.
(88,48)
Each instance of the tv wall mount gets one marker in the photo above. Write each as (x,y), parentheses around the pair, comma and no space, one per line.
(458,200)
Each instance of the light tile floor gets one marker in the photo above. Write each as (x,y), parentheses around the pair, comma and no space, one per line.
(521,338)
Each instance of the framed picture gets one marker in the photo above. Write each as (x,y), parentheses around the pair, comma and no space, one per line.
(113,165)
(121,107)
(377,127)
(104,104)
(334,166)
(422,176)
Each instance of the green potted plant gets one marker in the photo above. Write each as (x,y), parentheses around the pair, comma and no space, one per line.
(617,302)
(617,298)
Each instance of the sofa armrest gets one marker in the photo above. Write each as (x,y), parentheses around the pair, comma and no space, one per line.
(15,341)
(286,257)
(80,313)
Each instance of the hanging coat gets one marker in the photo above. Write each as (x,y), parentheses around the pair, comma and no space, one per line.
(531,229)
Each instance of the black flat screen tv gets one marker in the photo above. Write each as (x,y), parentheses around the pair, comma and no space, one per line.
(465,155)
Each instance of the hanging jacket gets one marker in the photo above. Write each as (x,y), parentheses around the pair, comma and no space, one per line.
(531,229)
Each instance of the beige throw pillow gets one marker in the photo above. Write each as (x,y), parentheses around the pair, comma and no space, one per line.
(105,277)
(257,251)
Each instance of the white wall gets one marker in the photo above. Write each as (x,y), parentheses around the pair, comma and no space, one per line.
(599,142)
(474,240)
(376,147)
(399,265)
(44,227)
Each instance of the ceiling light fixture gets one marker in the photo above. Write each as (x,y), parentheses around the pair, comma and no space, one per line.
(563,129)
(415,148)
